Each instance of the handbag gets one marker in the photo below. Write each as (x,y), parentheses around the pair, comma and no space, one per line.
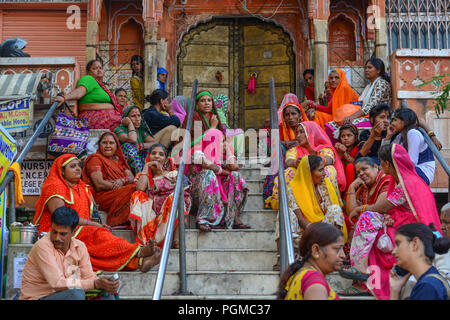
(384,243)
(70,134)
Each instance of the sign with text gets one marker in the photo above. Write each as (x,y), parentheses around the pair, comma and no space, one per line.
(15,114)
(33,173)
(8,151)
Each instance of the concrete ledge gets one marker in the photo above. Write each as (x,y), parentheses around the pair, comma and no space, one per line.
(433,53)
(36,61)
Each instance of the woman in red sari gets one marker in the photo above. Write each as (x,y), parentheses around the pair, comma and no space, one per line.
(108,173)
(63,187)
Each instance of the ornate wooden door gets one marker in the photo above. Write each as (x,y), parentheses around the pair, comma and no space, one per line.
(222,55)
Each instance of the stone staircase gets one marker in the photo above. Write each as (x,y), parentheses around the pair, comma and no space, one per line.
(221,264)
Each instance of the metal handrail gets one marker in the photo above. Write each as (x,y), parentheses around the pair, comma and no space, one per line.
(21,157)
(432,146)
(286,245)
(177,204)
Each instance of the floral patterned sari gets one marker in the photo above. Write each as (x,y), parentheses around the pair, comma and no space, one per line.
(413,201)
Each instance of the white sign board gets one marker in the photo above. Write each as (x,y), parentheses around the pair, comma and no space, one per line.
(19,265)
(33,174)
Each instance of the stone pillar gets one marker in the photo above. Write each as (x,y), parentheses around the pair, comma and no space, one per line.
(150,54)
(381,42)
(91,40)
(320,55)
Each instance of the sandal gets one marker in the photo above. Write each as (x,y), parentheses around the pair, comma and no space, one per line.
(353,292)
(353,274)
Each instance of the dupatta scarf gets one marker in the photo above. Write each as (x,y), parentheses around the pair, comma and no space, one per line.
(115,202)
(114,101)
(417,192)
(141,131)
(302,187)
(55,186)
(286,132)
(342,94)
(318,139)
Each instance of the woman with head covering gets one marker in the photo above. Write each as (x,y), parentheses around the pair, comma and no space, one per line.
(341,94)
(134,137)
(377,91)
(161,79)
(290,115)
(218,190)
(312,140)
(408,200)
(136,81)
(108,173)
(152,201)
(312,198)
(180,106)
(95,101)
(64,187)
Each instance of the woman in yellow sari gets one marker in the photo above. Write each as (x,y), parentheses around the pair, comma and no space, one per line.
(312,198)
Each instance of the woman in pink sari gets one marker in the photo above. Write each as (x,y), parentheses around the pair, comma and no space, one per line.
(311,140)
(218,190)
(408,200)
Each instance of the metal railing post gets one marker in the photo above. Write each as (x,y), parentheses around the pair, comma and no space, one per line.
(12,202)
(175,206)
(286,246)
(182,244)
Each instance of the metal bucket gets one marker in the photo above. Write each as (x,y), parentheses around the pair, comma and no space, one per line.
(23,234)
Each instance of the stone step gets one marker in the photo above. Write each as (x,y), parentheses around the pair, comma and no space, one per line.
(255,173)
(255,185)
(215,285)
(202,283)
(259,219)
(223,260)
(263,239)
(255,201)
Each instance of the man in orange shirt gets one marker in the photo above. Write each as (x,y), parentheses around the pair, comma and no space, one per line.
(58,266)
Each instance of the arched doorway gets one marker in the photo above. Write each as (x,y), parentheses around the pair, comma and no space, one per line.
(235,49)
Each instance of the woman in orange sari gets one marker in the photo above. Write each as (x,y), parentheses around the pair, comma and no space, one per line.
(108,173)
(341,94)
(64,187)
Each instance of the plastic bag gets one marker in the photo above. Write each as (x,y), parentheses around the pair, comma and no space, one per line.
(385,243)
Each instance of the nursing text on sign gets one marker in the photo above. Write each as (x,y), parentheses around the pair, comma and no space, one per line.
(33,173)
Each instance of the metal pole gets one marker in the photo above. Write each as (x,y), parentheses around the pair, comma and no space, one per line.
(182,243)
(286,245)
(12,203)
(171,223)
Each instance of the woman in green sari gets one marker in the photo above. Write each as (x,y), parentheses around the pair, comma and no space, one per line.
(135,138)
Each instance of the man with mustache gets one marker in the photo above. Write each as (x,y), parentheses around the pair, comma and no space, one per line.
(58,266)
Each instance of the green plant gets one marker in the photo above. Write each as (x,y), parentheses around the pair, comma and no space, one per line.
(442,100)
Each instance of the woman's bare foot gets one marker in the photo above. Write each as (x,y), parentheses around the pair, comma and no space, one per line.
(148,249)
(150,262)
